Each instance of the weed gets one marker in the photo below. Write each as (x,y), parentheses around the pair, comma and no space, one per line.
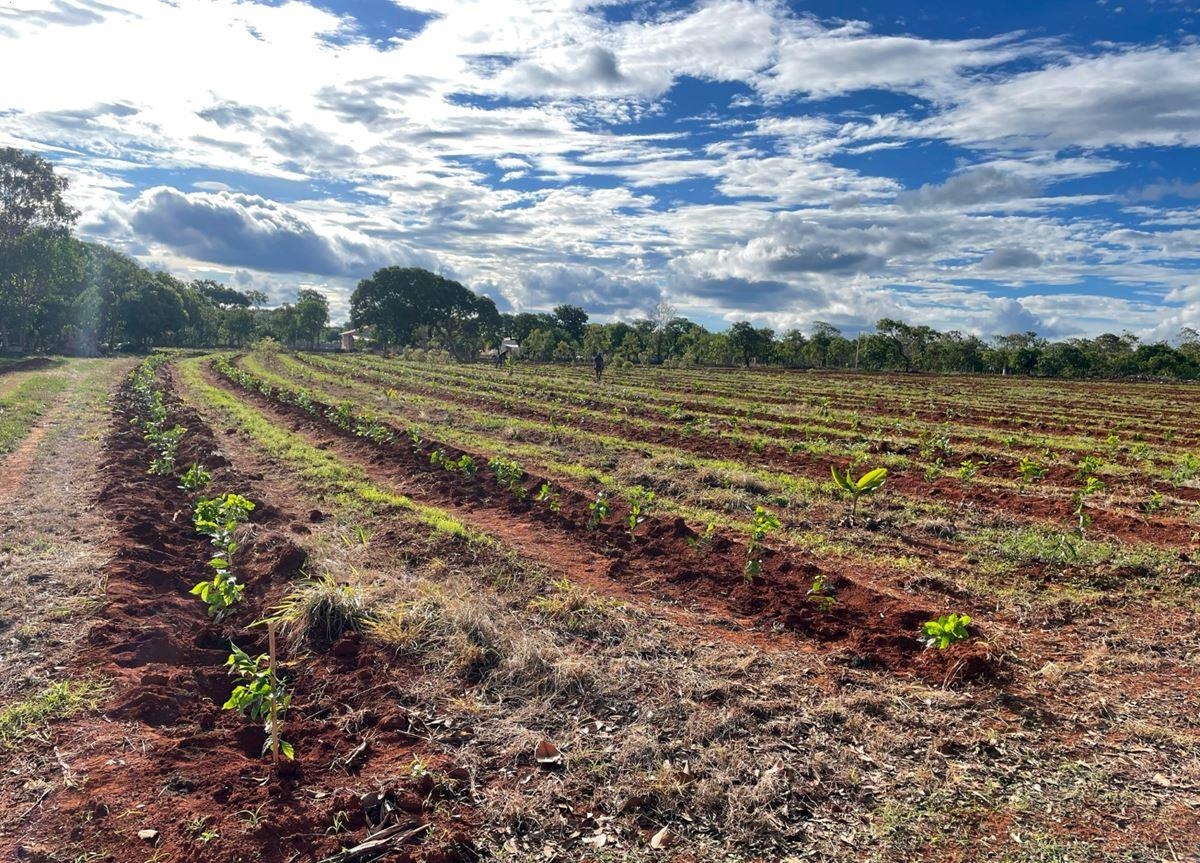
(57,701)
(317,611)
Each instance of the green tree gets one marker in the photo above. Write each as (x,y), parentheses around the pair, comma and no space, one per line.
(35,245)
(312,314)
(573,320)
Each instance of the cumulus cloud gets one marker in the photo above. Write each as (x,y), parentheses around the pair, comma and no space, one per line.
(251,231)
(985,186)
(1010,258)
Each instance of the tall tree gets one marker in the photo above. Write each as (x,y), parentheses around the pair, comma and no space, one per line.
(35,226)
(573,320)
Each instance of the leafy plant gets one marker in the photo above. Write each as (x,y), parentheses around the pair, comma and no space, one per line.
(259,694)
(508,474)
(1088,466)
(195,479)
(967,469)
(1030,471)
(821,592)
(547,495)
(868,483)
(1153,503)
(640,503)
(761,525)
(218,519)
(1091,486)
(946,630)
(598,510)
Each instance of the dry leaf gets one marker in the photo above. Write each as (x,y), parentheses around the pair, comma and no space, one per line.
(547,753)
(664,838)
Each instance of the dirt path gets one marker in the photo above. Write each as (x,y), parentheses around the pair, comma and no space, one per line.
(51,537)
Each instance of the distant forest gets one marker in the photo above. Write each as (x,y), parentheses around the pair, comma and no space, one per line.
(61,295)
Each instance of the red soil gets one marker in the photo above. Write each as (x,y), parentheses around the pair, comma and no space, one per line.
(169,754)
(666,558)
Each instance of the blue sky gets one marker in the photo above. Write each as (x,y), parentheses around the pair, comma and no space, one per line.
(984,167)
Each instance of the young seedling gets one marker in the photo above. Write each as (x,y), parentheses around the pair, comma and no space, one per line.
(598,510)
(946,630)
(821,592)
(260,695)
(1089,465)
(640,503)
(760,526)
(1090,486)
(218,518)
(509,475)
(869,482)
(547,495)
(194,479)
(1153,503)
(1030,471)
(967,469)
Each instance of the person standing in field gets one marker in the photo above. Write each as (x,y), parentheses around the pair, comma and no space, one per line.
(598,363)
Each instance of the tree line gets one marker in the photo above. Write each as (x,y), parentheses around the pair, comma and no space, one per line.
(409,307)
(59,294)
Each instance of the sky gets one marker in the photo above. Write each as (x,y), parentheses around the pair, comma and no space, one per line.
(986,167)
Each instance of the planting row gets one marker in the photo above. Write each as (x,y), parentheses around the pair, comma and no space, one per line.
(825,605)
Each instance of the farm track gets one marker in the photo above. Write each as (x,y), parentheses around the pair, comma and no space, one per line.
(1031,507)
(168,742)
(867,625)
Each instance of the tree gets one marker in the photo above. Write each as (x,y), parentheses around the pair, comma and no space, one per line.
(35,244)
(573,320)
(749,343)
(312,314)
(400,301)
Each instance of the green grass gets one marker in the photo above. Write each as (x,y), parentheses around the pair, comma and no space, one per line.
(59,700)
(24,406)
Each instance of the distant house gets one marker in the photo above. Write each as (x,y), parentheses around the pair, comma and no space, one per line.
(508,347)
(354,338)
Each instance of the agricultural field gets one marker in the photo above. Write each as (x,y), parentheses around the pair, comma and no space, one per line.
(679,615)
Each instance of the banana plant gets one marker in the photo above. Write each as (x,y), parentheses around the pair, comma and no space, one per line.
(869,482)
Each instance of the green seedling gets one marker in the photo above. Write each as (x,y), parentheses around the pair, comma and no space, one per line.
(195,479)
(259,694)
(640,503)
(946,630)
(509,475)
(1088,466)
(821,592)
(1030,471)
(547,496)
(598,510)
(760,527)
(218,519)
(967,469)
(1153,503)
(704,541)
(868,483)
(1091,486)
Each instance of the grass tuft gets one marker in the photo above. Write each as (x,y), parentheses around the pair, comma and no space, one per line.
(59,700)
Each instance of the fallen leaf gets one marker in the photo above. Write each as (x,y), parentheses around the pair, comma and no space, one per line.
(547,753)
(664,838)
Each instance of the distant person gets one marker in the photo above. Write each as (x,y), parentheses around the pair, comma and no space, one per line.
(598,364)
(499,358)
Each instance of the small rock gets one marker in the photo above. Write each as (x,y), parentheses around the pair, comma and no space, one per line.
(148,835)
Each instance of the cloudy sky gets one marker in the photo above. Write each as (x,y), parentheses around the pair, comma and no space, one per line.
(980,166)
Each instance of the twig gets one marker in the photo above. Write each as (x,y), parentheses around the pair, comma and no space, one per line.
(381,841)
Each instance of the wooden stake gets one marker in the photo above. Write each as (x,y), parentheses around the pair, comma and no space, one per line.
(274,685)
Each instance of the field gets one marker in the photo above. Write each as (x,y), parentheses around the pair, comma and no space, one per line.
(524,616)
